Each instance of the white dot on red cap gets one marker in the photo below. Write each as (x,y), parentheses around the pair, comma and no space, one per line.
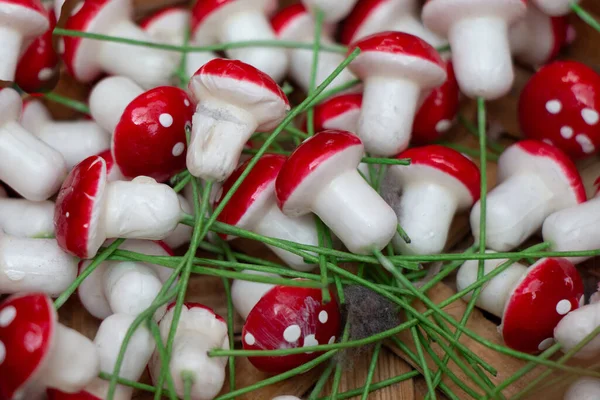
(548,141)
(292,333)
(443,126)
(309,341)
(591,117)
(45,74)
(331,340)
(566,132)
(7,316)
(553,106)
(323,316)
(546,344)
(186,102)
(249,339)
(67,214)
(586,144)
(563,307)
(165,120)
(2,352)
(178,149)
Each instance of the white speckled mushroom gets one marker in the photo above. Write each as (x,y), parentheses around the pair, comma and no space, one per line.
(585,388)
(26,218)
(576,326)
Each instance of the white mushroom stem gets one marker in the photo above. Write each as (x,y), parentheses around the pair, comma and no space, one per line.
(574,229)
(253,25)
(72,362)
(356,213)
(555,8)
(425,213)
(219,133)
(140,209)
(183,233)
(516,209)
(28,165)
(109,98)
(575,327)
(245,294)
(108,343)
(10,49)
(26,218)
(481,56)
(584,389)
(388,110)
(34,265)
(408,23)
(277,225)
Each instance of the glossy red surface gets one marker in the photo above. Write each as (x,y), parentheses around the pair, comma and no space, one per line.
(287,15)
(77,203)
(448,161)
(542,149)
(308,157)
(155,17)
(560,28)
(35,5)
(438,111)
(26,338)
(532,311)
(190,305)
(358,16)
(203,9)
(281,308)
(335,107)
(150,137)
(39,63)
(561,104)
(398,43)
(260,178)
(236,69)
(54,394)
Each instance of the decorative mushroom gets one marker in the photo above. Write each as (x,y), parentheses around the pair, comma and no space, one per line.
(39,63)
(397,68)
(199,331)
(240,20)
(254,207)
(321,176)
(75,140)
(86,59)
(36,351)
(90,210)
(555,7)
(279,317)
(585,388)
(575,327)
(113,173)
(531,301)
(34,265)
(373,16)
(20,21)
(478,36)
(126,287)
(536,180)
(438,183)
(26,218)
(333,10)
(108,342)
(538,38)
(149,128)
(561,105)
(234,100)
(295,23)
(28,165)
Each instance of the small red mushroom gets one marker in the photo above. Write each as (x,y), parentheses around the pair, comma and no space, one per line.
(560,105)
(373,16)
(338,112)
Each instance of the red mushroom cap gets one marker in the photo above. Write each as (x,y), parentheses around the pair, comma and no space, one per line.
(438,112)
(55,394)
(78,208)
(303,164)
(338,111)
(550,289)
(560,34)
(290,317)
(250,199)
(39,63)
(458,172)
(397,53)
(150,137)
(113,173)
(27,324)
(289,18)
(360,15)
(561,105)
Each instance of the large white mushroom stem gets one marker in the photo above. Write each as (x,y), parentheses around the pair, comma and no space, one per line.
(576,326)
(585,388)
(110,97)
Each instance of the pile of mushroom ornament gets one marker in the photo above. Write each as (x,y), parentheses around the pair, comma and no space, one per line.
(158,116)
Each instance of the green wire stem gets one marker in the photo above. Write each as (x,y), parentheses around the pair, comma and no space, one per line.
(371,371)
(585,16)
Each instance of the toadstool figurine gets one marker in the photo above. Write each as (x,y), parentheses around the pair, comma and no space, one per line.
(478,35)
(253,207)
(561,105)
(90,210)
(438,183)
(531,301)
(227,21)
(234,100)
(397,68)
(28,165)
(199,331)
(279,317)
(26,218)
(36,351)
(86,59)
(575,327)
(536,180)
(149,128)
(321,176)
(75,140)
